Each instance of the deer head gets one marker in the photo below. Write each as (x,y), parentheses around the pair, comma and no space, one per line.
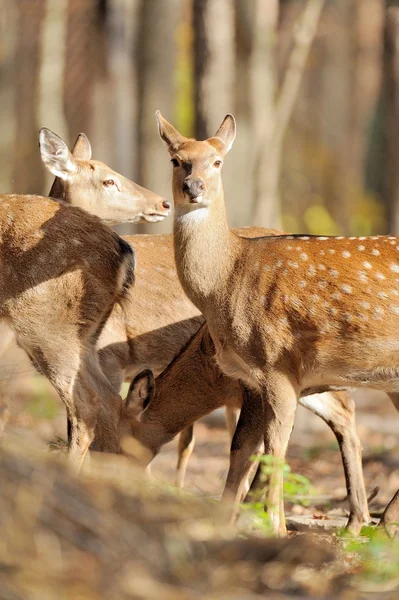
(95,187)
(196,165)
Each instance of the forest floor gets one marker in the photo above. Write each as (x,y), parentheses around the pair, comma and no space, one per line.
(38,417)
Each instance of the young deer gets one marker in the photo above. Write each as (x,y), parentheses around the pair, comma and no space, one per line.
(280,343)
(158,320)
(61,273)
(193,386)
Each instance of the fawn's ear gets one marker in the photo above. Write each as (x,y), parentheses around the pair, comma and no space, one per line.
(172,138)
(55,155)
(82,148)
(140,394)
(227,132)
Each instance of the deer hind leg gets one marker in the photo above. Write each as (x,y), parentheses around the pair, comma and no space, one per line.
(390,518)
(246,439)
(338,411)
(185,449)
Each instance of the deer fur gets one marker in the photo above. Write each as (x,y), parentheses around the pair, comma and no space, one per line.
(159,320)
(286,314)
(61,273)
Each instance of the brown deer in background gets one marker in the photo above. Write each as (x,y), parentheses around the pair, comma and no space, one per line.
(158,322)
(287,314)
(62,271)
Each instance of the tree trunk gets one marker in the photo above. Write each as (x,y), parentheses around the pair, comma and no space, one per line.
(214,77)
(391,88)
(156,63)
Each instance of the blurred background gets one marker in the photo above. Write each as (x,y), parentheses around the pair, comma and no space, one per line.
(313,84)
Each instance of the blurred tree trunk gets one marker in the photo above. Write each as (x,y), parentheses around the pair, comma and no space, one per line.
(262,91)
(28,171)
(156,64)
(214,76)
(391,89)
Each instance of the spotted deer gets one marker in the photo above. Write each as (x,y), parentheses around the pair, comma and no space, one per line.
(62,272)
(138,338)
(287,314)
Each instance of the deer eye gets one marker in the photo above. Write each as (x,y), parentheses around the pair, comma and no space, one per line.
(217,163)
(108,183)
(175,162)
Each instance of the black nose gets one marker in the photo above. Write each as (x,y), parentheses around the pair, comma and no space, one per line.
(193,187)
(166,205)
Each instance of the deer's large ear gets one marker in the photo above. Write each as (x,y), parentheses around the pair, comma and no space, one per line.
(82,148)
(172,138)
(227,132)
(55,155)
(140,394)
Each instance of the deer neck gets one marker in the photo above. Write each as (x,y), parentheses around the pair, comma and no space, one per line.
(205,250)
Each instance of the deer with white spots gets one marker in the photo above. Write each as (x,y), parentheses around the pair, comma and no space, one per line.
(192,385)
(287,314)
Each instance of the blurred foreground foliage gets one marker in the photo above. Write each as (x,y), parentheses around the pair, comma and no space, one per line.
(110,534)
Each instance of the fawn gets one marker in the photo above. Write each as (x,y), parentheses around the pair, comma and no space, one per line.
(266,332)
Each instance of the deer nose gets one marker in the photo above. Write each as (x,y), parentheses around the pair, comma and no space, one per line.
(166,205)
(193,187)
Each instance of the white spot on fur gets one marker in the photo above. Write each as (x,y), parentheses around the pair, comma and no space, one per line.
(380,276)
(292,264)
(333,272)
(363,276)
(375,252)
(302,284)
(378,311)
(365,305)
(322,284)
(303,256)
(331,251)
(346,289)
(279,264)
(304,237)
(333,310)
(394,268)
(394,310)
(315,297)
(340,237)
(393,243)
(382,295)
(312,270)
(346,254)
(367,265)
(321,267)
(322,238)
(289,247)
(336,296)
(322,253)
(361,248)
(395,292)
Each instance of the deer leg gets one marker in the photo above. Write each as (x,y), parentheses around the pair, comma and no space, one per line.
(185,449)
(390,518)
(246,439)
(338,411)
(279,407)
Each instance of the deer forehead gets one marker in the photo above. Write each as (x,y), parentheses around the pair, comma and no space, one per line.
(196,152)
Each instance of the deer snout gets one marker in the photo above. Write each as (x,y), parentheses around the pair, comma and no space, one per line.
(194,188)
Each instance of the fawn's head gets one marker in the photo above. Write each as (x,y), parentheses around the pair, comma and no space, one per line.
(95,187)
(139,439)
(196,165)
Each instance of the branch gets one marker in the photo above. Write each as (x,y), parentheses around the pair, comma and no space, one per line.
(304,33)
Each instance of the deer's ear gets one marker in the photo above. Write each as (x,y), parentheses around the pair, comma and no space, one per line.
(227,132)
(172,138)
(140,394)
(55,155)
(82,148)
